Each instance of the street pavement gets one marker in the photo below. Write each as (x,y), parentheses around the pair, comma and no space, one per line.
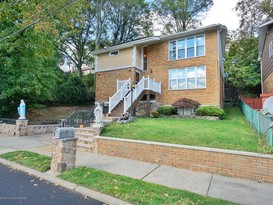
(18,187)
(231,189)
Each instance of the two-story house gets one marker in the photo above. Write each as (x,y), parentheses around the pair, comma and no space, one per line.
(163,69)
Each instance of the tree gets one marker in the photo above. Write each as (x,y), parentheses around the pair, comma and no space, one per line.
(242,66)
(28,59)
(76,32)
(180,15)
(253,13)
(129,20)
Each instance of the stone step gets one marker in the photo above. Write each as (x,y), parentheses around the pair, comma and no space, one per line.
(85,140)
(84,145)
(84,130)
(84,134)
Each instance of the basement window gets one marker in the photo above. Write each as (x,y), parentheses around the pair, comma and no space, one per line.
(114,53)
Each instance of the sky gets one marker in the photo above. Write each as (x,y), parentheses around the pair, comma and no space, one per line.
(222,12)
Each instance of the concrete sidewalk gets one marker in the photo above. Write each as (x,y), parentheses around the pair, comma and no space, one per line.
(231,189)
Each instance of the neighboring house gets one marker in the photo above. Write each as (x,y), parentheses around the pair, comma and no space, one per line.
(187,64)
(266,56)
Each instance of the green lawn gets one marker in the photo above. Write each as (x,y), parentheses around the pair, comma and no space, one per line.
(233,132)
(30,159)
(133,190)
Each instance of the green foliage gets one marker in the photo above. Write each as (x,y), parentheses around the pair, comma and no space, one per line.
(135,191)
(36,106)
(165,110)
(28,60)
(242,65)
(129,20)
(253,13)
(29,159)
(210,111)
(177,16)
(189,131)
(73,91)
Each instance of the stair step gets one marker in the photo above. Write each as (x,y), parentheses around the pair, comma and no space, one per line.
(85,146)
(84,130)
(84,134)
(85,140)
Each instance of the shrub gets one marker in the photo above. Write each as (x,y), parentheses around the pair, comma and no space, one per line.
(154,113)
(210,111)
(165,110)
(186,103)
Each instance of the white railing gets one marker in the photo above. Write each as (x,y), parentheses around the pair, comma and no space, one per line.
(119,95)
(143,84)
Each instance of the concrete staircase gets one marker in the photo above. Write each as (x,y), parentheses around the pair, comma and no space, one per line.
(118,110)
(86,140)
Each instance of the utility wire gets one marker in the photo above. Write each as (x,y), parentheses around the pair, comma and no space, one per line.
(38,20)
(5,6)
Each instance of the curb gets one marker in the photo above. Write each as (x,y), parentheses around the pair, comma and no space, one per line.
(68,185)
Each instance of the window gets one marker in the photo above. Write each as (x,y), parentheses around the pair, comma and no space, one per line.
(270,49)
(187,48)
(114,53)
(187,78)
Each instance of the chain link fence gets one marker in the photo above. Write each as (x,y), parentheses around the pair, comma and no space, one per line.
(258,121)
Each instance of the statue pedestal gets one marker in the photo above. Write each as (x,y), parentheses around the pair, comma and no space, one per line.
(21,127)
(97,127)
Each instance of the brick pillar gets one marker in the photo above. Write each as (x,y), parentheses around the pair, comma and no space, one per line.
(21,127)
(64,147)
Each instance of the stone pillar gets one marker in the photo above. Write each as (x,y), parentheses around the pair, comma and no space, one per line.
(64,147)
(21,127)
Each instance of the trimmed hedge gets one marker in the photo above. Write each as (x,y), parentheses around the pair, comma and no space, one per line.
(210,111)
(166,110)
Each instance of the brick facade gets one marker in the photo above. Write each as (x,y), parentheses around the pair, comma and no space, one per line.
(158,69)
(247,165)
(159,65)
(106,82)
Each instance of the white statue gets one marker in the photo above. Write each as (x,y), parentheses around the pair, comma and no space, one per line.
(98,113)
(22,110)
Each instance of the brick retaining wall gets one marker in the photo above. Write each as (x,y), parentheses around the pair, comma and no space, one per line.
(231,163)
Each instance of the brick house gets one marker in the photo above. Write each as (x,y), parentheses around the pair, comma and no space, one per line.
(163,69)
(266,56)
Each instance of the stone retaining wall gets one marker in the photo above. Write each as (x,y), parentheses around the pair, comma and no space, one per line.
(29,129)
(247,165)
(8,129)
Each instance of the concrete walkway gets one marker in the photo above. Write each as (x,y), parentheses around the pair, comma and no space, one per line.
(231,189)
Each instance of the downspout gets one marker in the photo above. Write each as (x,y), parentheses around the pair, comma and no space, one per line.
(218,57)
(261,68)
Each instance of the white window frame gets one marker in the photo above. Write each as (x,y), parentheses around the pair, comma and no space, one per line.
(270,49)
(186,47)
(111,53)
(186,78)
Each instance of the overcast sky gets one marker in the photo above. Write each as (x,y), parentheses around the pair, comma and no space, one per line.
(222,12)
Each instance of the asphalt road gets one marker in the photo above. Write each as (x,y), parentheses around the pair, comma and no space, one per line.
(17,187)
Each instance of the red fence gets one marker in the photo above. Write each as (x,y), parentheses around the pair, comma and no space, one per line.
(255,103)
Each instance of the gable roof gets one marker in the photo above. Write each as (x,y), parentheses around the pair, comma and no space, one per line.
(157,39)
(262,36)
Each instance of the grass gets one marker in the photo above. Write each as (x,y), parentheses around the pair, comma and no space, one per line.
(233,132)
(30,159)
(133,190)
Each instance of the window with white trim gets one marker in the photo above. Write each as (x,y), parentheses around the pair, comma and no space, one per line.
(270,49)
(114,53)
(187,48)
(187,78)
